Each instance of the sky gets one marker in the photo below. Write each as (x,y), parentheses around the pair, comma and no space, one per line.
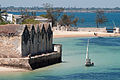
(62,3)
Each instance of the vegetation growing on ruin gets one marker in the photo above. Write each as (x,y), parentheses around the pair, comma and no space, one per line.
(30,21)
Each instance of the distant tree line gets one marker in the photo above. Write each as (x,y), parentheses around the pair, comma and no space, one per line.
(100,18)
(58,17)
(69,8)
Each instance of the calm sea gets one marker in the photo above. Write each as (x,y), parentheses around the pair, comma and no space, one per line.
(89,18)
(104,52)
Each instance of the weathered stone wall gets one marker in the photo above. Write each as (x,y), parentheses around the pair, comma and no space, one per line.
(65,28)
(30,49)
(92,29)
(25,48)
(28,42)
(15,62)
(25,42)
(10,46)
(44,43)
(35,61)
(38,42)
(45,60)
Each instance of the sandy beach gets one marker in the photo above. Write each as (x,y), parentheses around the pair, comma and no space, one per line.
(10,69)
(62,34)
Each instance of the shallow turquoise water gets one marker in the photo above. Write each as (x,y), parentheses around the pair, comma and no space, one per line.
(105,52)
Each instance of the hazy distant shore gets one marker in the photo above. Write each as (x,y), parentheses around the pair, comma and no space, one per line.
(89,11)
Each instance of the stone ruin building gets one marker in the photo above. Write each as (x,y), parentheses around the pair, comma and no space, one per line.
(28,46)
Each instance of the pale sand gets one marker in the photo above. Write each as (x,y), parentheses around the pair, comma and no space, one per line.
(9,69)
(61,34)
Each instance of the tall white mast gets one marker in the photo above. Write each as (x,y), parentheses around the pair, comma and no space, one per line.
(87,55)
(114,23)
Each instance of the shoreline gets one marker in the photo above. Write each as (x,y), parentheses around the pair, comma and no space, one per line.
(66,34)
(11,69)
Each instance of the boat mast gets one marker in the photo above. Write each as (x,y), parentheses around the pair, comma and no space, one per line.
(87,55)
(114,23)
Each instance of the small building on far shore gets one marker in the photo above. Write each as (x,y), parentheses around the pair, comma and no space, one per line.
(8,17)
(116,30)
(17,19)
(42,19)
(79,29)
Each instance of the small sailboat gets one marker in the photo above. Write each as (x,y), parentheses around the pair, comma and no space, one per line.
(88,61)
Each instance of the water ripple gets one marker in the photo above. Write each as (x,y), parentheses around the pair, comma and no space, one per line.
(104,41)
(85,76)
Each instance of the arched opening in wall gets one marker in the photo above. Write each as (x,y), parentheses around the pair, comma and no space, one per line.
(32,34)
(33,41)
(38,41)
(49,35)
(25,42)
(43,33)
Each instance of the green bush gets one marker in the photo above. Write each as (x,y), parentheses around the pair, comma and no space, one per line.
(3,23)
(30,21)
